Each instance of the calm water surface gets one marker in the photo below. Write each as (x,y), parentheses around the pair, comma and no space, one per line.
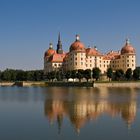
(37,113)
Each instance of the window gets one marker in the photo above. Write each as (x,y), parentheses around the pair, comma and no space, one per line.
(132,60)
(81,63)
(127,65)
(75,63)
(90,61)
(127,60)
(90,65)
(75,58)
(81,58)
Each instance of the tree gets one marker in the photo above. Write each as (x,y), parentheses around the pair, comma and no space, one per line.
(68,75)
(59,75)
(21,75)
(96,73)
(128,74)
(87,74)
(53,75)
(80,74)
(136,74)
(48,76)
(73,74)
(119,74)
(6,75)
(109,73)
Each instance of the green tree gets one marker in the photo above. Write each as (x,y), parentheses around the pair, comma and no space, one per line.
(96,73)
(80,74)
(136,74)
(128,74)
(87,74)
(48,76)
(109,73)
(119,74)
(21,75)
(6,75)
(53,75)
(73,74)
(68,75)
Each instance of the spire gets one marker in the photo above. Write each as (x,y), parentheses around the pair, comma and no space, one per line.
(59,45)
(59,37)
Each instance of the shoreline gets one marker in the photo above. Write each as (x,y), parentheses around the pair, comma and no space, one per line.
(72,84)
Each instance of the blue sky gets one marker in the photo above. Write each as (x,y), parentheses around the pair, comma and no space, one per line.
(28,26)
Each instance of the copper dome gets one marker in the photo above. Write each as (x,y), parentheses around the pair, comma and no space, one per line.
(77,45)
(50,51)
(128,48)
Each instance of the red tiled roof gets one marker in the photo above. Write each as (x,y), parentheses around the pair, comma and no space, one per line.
(111,55)
(57,57)
(93,52)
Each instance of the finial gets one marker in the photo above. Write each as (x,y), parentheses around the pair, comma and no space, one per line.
(77,37)
(95,47)
(127,41)
(50,46)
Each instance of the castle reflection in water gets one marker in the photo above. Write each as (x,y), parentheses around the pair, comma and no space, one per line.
(83,105)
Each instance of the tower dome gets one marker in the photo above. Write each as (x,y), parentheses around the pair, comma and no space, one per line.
(128,48)
(50,51)
(77,45)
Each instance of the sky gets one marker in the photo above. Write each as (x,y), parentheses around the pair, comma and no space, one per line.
(28,26)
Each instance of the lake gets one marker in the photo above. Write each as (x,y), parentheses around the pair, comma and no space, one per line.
(43,113)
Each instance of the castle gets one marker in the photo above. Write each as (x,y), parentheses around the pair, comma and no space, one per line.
(81,57)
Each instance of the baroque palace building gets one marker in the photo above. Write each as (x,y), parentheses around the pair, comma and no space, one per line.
(81,57)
